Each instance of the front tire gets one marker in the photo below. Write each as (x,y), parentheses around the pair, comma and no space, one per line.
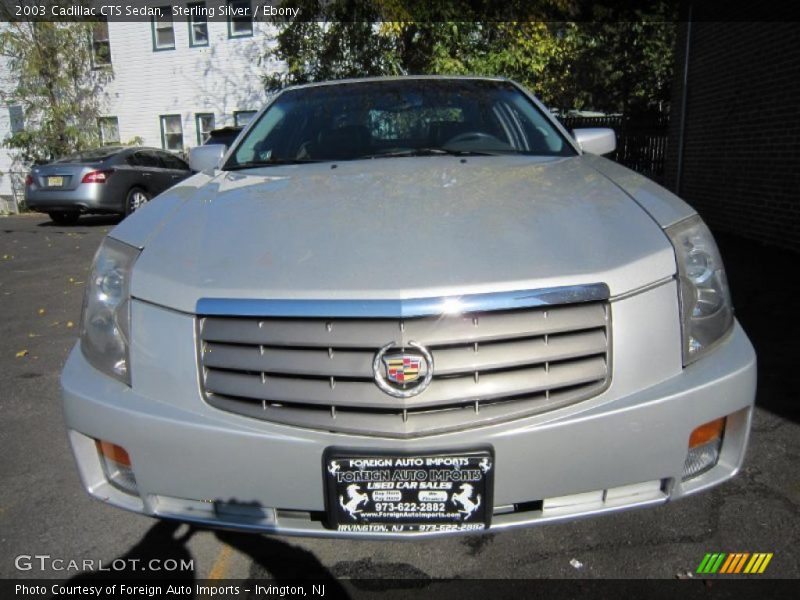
(137,197)
(64,218)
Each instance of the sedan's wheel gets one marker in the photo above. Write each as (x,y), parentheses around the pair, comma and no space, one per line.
(64,218)
(136,199)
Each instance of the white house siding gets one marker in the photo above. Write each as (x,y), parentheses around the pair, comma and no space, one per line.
(10,173)
(221,78)
(6,162)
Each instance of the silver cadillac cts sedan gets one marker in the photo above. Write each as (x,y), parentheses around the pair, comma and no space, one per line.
(407,307)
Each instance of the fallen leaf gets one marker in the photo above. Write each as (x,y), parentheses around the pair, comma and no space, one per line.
(22,353)
(72,280)
(70,324)
(41,311)
(34,335)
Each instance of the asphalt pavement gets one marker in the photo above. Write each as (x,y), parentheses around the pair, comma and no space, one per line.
(44,510)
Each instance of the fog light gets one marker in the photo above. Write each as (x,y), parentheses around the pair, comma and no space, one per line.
(117,466)
(704,445)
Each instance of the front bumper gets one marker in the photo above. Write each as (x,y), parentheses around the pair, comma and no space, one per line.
(622,449)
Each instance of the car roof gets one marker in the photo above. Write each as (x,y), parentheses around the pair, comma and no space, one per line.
(131,149)
(397,78)
(91,155)
(138,148)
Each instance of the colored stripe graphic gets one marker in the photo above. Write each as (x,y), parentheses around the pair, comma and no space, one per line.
(711,563)
(733,563)
(758,563)
(703,564)
(732,559)
(718,564)
(741,562)
(764,564)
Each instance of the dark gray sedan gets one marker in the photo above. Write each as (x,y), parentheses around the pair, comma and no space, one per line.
(112,179)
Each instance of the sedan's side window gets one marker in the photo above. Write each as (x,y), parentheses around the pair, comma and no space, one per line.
(149,159)
(173,162)
(133,160)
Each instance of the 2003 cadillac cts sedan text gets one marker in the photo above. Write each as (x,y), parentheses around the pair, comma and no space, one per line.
(407,307)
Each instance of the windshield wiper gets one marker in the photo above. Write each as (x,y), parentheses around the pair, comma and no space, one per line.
(272,162)
(438,151)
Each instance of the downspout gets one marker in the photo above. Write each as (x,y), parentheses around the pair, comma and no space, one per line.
(684,93)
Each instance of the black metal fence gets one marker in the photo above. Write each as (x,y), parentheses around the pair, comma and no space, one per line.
(641,141)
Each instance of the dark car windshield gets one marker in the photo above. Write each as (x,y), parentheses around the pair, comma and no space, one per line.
(397,118)
(96,155)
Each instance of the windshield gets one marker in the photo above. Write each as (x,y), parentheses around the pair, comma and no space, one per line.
(396,118)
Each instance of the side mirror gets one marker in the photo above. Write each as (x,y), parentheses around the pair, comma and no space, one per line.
(206,158)
(596,140)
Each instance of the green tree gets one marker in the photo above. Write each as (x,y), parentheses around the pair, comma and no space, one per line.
(343,43)
(623,59)
(611,60)
(53,79)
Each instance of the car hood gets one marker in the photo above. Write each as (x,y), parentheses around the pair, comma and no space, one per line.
(394,229)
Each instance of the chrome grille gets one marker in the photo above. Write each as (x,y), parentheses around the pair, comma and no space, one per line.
(489,366)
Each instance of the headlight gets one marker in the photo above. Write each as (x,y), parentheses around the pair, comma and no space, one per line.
(706,310)
(105,331)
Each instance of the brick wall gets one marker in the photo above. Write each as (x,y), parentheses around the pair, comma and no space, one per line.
(741,160)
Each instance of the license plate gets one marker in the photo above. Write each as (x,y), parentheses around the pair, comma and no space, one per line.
(400,493)
(55,181)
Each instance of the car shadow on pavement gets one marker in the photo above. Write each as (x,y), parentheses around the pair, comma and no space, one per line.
(88,221)
(151,558)
(765,300)
(282,562)
(156,556)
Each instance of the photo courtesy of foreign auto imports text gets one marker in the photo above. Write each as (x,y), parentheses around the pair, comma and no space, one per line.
(149,590)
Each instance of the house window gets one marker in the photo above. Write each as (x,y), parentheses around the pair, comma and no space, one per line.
(16,117)
(163,30)
(204,123)
(198,24)
(240,18)
(242,117)
(101,46)
(109,130)
(172,133)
